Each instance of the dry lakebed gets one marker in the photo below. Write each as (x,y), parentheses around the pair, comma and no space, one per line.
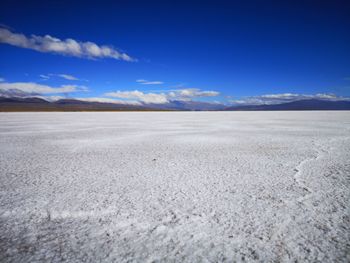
(175,187)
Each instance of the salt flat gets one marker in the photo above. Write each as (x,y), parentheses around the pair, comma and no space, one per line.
(175,187)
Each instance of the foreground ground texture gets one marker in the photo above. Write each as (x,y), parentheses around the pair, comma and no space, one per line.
(175,187)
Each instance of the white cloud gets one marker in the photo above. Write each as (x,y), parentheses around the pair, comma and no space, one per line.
(109,100)
(66,76)
(45,77)
(140,96)
(2,79)
(30,88)
(68,47)
(147,82)
(162,97)
(285,97)
(187,94)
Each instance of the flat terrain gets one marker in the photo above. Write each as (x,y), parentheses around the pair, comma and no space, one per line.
(175,187)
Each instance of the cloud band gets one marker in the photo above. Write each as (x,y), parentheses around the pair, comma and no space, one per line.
(68,47)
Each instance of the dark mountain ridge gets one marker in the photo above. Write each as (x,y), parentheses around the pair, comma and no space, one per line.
(39,104)
(311,104)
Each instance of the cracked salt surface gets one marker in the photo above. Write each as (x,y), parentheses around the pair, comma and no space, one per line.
(175,186)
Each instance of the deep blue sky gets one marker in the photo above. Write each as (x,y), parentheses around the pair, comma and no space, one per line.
(238,48)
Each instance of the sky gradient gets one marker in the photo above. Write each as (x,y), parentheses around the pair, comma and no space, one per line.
(157,51)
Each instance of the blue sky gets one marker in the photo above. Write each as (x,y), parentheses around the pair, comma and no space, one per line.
(156,51)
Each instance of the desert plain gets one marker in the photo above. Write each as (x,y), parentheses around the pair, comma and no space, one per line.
(175,187)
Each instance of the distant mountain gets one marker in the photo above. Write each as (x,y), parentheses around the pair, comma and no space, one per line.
(22,100)
(295,105)
(71,101)
(38,104)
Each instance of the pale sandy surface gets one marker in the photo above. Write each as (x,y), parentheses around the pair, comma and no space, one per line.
(175,187)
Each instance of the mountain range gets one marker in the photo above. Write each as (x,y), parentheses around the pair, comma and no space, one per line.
(39,104)
(311,104)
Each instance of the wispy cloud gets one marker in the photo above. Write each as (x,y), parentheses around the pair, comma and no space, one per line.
(2,79)
(23,89)
(64,76)
(162,97)
(285,97)
(147,82)
(44,77)
(68,47)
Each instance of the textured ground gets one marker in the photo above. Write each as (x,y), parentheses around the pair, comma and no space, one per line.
(184,187)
